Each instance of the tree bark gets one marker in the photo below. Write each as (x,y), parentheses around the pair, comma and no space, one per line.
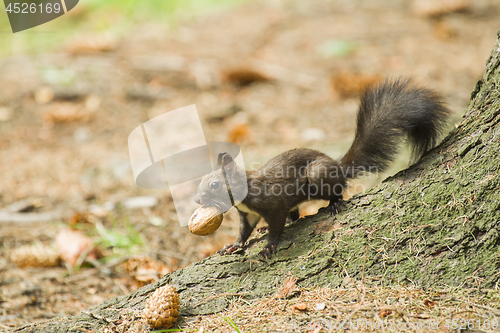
(435,224)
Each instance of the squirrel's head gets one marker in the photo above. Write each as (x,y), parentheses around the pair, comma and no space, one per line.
(223,186)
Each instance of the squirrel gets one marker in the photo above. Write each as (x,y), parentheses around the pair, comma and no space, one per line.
(388,112)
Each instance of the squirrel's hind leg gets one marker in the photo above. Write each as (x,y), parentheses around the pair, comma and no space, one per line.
(276,223)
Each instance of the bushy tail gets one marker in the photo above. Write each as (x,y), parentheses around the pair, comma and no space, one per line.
(389,112)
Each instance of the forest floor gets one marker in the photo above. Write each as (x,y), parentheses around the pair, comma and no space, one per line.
(267,75)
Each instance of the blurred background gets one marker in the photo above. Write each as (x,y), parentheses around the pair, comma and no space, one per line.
(270,75)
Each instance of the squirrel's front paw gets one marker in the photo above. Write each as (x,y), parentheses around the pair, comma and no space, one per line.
(267,251)
(262,230)
(229,249)
(334,206)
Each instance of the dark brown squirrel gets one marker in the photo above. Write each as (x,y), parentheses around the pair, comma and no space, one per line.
(388,112)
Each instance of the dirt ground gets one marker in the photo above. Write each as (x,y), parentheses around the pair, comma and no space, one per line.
(268,75)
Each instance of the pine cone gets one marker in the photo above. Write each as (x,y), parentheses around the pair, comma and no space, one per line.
(34,256)
(162,308)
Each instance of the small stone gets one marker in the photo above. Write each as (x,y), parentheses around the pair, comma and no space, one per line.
(348,282)
(320,306)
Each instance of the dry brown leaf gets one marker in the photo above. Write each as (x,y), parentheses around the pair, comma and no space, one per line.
(144,270)
(299,307)
(79,218)
(244,76)
(385,313)
(429,303)
(348,84)
(146,275)
(65,113)
(443,30)
(316,328)
(288,288)
(238,133)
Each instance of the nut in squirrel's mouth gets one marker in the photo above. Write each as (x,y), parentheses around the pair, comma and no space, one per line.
(205,220)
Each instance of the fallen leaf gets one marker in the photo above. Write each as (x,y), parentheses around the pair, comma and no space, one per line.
(144,270)
(316,327)
(79,218)
(288,288)
(243,76)
(238,133)
(385,313)
(443,30)
(429,303)
(300,307)
(65,113)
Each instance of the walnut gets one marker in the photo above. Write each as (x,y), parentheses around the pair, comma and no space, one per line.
(205,220)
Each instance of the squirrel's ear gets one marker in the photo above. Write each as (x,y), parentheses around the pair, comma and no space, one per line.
(224,159)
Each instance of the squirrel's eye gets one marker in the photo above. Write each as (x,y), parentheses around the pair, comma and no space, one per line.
(214,186)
